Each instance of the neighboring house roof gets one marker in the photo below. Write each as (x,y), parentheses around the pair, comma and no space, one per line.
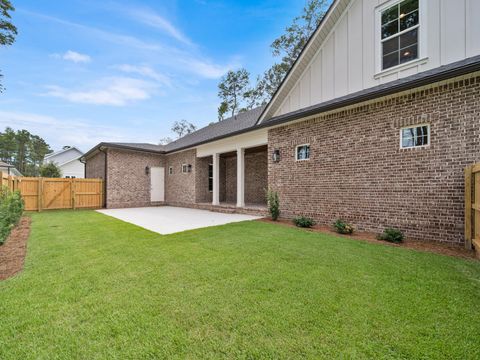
(11,168)
(74,150)
(4,164)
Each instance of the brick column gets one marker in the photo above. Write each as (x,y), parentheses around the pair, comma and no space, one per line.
(241,177)
(216,179)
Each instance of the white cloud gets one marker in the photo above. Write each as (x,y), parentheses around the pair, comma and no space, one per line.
(180,59)
(205,68)
(117,91)
(58,132)
(76,57)
(150,18)
(145,71)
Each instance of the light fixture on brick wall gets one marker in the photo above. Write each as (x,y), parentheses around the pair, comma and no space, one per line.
(147,170)
(276,155)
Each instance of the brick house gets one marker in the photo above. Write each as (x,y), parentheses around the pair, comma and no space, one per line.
(374,123)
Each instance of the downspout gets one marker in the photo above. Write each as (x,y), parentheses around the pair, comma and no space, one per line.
(84,162)
(104,151)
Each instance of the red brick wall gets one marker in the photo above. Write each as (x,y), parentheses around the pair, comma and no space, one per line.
(180,187)
(358,172)
(127,183)
(203,195)
(256,177)
(95,166)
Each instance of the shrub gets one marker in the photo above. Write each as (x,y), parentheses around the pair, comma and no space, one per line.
(273,204)
(303,221)
(391,235)
(50,170)
(11,210)
(342,227)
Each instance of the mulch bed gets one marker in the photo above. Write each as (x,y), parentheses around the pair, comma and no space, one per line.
(12,252)
(434,247)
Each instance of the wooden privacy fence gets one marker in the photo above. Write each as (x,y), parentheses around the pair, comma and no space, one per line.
(472,207)
(55,193)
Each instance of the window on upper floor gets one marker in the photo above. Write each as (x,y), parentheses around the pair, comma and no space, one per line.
(400,29)
(415,136)
(170,170)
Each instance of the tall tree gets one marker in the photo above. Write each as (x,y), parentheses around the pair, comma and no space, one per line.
(290,44)
(8,31)
(8,145)
(23,150)
(231,91)
(37,149)
(23,138)
(183,127)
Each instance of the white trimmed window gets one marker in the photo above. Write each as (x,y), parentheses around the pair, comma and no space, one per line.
(302,152)
(170,170)
(399,33)
(415,136)
(186,168)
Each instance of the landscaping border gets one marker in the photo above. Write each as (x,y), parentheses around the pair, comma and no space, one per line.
(13,251)
(425,246)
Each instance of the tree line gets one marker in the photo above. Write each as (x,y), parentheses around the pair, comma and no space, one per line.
(235,90)
(23,150)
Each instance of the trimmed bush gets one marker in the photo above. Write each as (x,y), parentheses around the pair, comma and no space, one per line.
(303,221)
(273,204)
(11,210)
(343,227)
(391,235)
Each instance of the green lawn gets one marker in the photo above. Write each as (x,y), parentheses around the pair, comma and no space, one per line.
(97,288)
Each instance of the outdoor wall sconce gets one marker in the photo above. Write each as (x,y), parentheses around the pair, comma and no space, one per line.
(276,155)
(147,170)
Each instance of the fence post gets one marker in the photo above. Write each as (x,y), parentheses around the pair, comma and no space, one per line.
(468,207)
(40,193)
(73,193)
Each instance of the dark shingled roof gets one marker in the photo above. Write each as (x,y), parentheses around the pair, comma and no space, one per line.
(137,146)
(230,126)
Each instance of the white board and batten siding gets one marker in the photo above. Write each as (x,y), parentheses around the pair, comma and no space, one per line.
(348,59)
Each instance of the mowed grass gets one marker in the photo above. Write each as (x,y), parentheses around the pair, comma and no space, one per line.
(97,288)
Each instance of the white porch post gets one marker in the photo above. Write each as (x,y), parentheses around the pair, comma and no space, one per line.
(216,179)
(240,177)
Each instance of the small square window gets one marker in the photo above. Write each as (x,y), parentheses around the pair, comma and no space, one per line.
(302,152)
(416,136)
(186,168)
(170,170)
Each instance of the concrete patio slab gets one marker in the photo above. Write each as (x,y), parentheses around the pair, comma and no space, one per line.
(168,220)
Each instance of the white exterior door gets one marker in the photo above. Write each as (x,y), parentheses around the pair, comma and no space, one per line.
(157,184)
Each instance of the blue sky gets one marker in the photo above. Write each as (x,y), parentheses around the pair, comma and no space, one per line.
(85,71)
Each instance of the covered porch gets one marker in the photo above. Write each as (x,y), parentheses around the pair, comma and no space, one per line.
(233,180)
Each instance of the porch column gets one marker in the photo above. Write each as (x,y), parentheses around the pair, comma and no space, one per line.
(216,179)
(240,177)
